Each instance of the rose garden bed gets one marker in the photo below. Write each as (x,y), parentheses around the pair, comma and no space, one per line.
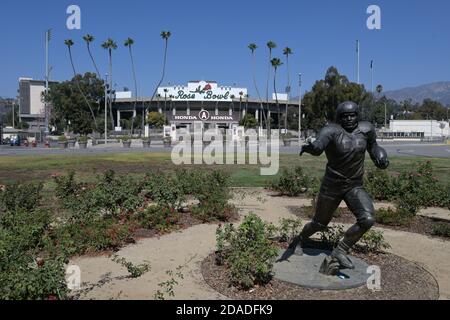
(401,280)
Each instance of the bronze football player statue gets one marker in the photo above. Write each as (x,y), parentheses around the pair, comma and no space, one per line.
(345,143)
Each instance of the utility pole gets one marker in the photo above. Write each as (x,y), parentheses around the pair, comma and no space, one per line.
(300,109)
(48,35)
(106,110)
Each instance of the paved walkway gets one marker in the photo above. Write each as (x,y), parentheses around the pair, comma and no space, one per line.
(191,246)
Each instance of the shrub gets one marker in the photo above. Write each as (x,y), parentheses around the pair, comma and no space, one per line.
(380,185)
(289,229)
(82,139)
(373,242)
(125,138)
(248,252)
(26,196)
(27,280)
(23,275)
(164,189)
(411,190)
(332,235)
(159,218)
(213,194)
(62,139)
(390,217)
(91,235)
(110,195)
(135,271)
(292,182)
(441,230)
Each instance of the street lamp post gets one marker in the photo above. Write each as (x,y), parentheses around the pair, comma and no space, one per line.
(106,110)
(300,109)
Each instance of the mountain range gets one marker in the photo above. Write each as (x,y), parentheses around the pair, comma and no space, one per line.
(438,91)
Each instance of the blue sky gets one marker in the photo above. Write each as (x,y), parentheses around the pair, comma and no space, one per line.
(209,40)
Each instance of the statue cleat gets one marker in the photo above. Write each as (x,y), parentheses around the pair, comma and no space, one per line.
(343,260)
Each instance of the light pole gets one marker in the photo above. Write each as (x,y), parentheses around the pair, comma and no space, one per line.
(48,35)
(106,110)
(300,109)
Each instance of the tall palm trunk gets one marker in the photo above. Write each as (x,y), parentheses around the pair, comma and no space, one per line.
(162,77)
(79,88)
(267,90)
(288,93)
(110,88)
(263,115)
(276,98)
(93,60)
(135,89)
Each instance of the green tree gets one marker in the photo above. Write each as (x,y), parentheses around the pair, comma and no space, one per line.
(321,102)
(249,121)
(69,43)
(70,111)
(156,119)
(431,109)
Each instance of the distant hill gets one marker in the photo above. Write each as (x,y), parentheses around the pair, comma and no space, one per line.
(438,91)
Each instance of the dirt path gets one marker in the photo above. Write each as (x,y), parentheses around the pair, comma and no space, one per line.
(106,279)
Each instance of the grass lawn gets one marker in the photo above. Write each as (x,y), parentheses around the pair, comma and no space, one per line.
(42,167)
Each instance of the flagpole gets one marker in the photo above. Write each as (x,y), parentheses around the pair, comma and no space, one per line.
(371,70)
(357,51)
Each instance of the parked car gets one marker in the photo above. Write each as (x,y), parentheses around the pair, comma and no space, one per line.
(15,141)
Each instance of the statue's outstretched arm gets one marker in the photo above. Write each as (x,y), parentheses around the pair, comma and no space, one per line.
(377,154)
(317,147)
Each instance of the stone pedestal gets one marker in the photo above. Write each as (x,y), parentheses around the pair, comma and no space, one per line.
(303,269)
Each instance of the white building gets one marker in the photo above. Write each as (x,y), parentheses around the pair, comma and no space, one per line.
(419,128)
(31,106)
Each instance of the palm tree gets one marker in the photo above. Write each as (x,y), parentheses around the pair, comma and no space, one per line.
(110,45)
(89,39)
(129,43)
(276,62)
(165,35)
(69,43)
(287,51)
(270,45)
(252,48)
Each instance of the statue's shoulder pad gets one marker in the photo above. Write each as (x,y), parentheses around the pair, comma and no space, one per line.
(366,127)
(332,128)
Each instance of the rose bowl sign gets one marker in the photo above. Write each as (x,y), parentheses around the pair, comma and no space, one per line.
(202,91)
(204,116)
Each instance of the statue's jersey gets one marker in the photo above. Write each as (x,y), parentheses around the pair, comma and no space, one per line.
(345,151)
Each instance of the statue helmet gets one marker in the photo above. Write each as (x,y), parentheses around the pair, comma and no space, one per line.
(346,107)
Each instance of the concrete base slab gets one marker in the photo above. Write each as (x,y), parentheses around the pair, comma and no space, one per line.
(303,270)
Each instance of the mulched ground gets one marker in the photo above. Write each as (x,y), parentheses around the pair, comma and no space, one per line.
(400,280)
(419,224)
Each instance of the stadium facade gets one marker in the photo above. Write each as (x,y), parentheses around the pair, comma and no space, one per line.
(216,106)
